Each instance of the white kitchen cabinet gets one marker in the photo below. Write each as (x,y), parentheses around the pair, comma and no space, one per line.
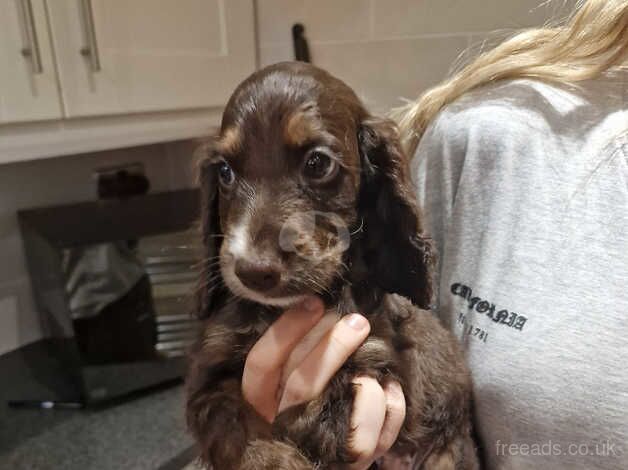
(117,73)
(28,81)
(129,56)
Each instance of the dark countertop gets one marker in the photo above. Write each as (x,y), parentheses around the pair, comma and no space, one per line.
(146,432)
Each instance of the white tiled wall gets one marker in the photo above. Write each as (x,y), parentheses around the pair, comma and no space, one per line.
(393,49)
(58,181)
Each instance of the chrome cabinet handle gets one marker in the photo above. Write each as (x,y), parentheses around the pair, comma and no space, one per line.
(91,49)
(31,48)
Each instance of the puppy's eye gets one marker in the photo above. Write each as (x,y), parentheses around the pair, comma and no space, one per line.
(227,177)
(319,167)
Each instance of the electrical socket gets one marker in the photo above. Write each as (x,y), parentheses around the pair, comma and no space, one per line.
(120,181)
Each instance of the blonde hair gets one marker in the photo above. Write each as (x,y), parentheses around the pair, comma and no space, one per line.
(591,41)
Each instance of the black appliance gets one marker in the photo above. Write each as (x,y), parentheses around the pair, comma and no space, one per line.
(113,282)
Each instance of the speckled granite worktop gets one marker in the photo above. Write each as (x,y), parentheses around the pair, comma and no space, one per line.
(140,434)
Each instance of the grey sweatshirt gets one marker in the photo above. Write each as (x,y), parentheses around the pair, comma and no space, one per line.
(524,189)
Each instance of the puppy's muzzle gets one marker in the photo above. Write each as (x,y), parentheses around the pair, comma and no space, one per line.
(258,275)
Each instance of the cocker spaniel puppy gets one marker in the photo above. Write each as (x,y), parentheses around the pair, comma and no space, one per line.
(305,193)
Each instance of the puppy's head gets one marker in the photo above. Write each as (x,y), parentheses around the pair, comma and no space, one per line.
(302,188)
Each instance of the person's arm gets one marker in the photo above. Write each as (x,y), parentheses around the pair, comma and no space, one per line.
(378,413)
(436,170)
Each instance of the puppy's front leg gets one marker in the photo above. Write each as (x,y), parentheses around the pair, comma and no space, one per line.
(222,423)
(459,454)
(231,435)
(321,427)
(262,454)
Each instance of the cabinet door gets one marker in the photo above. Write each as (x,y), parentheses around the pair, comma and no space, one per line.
(126,56)
(28,85)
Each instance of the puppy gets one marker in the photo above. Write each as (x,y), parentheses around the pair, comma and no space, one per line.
(305,193)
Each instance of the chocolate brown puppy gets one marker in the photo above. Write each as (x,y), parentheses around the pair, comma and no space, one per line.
(305,193)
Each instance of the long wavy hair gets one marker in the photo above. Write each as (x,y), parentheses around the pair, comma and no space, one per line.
(591,41)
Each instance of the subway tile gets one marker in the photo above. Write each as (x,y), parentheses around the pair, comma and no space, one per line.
(383,73)
(483,42)
(324,20)
(183,161)
(394,18)
(275,19)
(333,20)
(276,53)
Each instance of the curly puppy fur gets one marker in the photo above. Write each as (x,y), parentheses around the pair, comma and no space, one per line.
(299,159)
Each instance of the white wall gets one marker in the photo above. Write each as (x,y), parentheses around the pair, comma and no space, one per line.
(392,49)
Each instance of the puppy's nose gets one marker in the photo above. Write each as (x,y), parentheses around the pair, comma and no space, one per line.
(258,275)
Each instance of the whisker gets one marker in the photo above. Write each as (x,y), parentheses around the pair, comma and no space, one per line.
(211,279)
(208,266)
(210,258)
(209,283)
(235,299)
(359,229)
(206,263)
(318,287)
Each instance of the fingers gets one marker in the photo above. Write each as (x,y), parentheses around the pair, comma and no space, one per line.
(308,380)
(378,415)
(262,369)
(395,416)
(367,419)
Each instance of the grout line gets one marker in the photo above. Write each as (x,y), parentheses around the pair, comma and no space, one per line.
(256,34)
(371,19)
(333,42)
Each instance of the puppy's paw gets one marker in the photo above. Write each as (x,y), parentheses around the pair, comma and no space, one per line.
(321,427)
(223,424)
(273,455)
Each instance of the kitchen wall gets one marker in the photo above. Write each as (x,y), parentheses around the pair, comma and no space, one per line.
(386,49)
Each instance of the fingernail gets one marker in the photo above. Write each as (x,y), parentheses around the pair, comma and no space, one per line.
(311,304)
(356,321)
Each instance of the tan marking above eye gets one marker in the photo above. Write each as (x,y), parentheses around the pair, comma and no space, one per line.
(230,141)
(302,126)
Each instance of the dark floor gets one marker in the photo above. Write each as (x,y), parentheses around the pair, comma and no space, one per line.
(143,433)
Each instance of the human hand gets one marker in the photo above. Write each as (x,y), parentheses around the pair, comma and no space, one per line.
(378,412)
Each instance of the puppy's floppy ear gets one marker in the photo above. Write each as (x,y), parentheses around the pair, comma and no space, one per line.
(211,292)
(398,258)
